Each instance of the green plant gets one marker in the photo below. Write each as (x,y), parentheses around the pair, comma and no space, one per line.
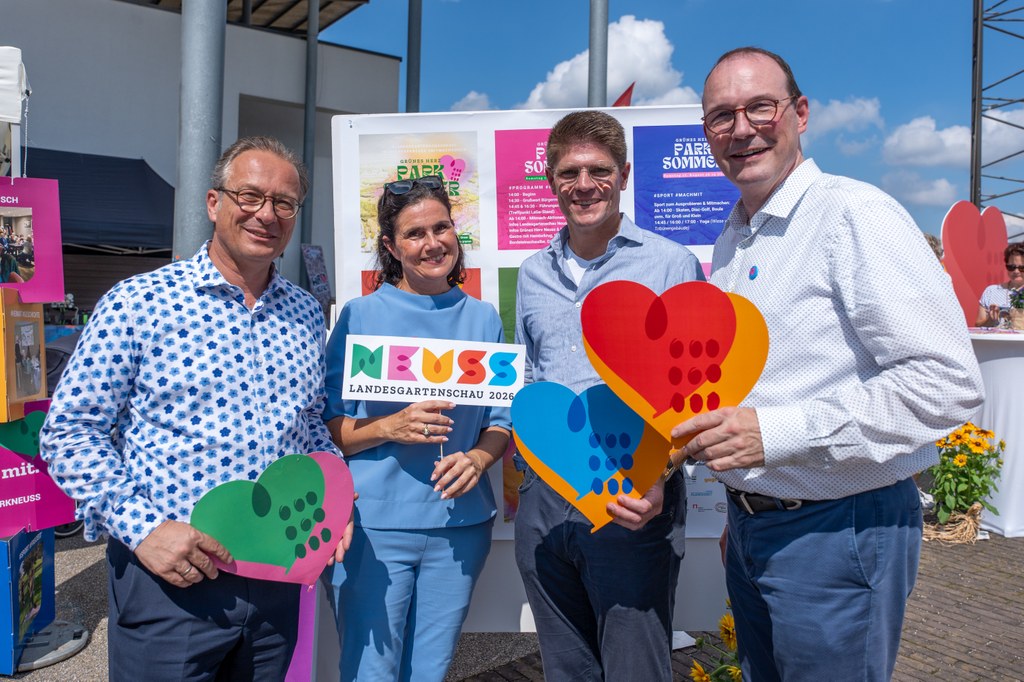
(727,669)
(967,471)
(1017,298)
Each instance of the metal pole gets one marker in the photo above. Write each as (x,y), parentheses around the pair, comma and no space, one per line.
(976,103)
(247,12)
(309,126)
(202,98)
(412,66)
(597,86)
(16,149)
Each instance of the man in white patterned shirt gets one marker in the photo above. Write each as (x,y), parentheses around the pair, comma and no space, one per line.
(824,530)
(202,372)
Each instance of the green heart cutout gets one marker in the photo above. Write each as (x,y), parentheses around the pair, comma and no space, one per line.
(22,435)
(271,520)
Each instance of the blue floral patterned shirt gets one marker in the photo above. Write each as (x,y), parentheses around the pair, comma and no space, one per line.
(176,387)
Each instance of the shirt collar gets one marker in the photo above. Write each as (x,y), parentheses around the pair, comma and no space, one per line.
(628,232)
(207,276)
(780,203)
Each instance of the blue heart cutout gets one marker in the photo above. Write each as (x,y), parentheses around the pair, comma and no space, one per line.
(583,438)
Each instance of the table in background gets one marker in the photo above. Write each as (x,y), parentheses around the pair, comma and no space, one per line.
(1001,358)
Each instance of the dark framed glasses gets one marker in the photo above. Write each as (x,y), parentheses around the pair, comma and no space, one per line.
(759,112)
(403,186)
(251,201)
(1014,268)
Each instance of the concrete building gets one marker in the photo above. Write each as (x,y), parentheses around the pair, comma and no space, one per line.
(105,78)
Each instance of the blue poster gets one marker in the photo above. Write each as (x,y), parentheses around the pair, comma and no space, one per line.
(679,192)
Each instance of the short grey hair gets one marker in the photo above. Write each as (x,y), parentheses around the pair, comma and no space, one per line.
(260,143)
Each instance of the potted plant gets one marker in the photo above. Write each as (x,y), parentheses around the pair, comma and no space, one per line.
(1017,309)
(965,476)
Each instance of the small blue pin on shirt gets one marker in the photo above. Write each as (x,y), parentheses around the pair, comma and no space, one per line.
(753,272)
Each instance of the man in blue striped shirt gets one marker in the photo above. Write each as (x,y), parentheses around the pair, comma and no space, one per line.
(602,602)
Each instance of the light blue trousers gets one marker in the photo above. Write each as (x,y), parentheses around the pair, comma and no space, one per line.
(400,598)
(818,593)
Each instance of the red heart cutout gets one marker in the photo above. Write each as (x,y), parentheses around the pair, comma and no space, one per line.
(973,245)
(692,349)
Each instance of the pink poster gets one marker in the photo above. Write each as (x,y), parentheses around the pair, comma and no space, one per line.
(28,496)
(528,215)
(30,247)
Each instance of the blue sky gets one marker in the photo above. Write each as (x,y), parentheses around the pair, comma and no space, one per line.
(889,80)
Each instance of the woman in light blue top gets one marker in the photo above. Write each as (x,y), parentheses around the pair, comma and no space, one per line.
(425,509)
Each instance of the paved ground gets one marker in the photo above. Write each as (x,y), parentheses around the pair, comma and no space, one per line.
(965,621)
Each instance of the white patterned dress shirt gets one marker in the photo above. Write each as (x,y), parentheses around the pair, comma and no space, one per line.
(869,359)
(175,387)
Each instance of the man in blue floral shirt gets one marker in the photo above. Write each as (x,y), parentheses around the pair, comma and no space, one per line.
(202,372)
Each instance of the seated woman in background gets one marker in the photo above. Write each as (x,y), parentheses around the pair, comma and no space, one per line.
(425,509)
(996,298)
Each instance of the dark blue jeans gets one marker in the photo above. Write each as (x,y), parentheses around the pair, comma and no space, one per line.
(818,593)
(229,628)
(602,602)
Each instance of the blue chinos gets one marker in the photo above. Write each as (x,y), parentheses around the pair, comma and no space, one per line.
(818,593)
(603,601)
(401,597)
(228,628)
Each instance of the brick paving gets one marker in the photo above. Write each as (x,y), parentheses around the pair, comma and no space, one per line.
(964,622)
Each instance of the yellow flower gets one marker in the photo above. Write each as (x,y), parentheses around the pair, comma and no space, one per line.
(727,631)
(697,673)
(735,673)
(1002,444)
(957,438)
(960,460)
(969,426)
(943,443)
(977,446)
(983,433)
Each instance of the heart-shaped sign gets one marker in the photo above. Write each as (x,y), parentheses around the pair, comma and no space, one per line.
(285,525)
(692,349)
(453,168)
(22,435)
(973,245)
(589,448)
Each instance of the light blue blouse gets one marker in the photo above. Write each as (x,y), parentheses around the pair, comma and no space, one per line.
(393,480)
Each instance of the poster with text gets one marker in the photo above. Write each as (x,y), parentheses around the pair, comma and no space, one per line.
(680,192)
(493,164)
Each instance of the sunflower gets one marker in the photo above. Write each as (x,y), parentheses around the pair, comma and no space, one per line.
(977,446)
(960,460)
(697,673)
(958,438)
(727,631)
(735,673)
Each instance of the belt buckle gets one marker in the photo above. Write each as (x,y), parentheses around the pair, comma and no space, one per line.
(744,503)
(796,504)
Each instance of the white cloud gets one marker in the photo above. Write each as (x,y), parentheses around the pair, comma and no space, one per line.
(919,143)
(473,101)
(853,115)
(1014,226)
(849,147)
(1000,139)
(638,51)
(911,188)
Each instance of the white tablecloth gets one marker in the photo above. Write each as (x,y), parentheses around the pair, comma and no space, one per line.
(1001,357)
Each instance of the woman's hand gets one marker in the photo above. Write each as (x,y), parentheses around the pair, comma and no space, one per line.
(419,423)
(458,473)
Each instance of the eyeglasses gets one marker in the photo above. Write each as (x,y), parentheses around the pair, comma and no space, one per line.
(1014,268)
(403,186)
(759,112)
(571,174)
(251,201)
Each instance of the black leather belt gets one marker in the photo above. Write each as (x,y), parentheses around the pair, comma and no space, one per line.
(752,503)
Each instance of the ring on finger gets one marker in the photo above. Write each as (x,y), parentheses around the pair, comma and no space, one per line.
(187,571)
(426,431)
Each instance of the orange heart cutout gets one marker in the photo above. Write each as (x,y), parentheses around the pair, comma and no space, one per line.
(973,245)
(692,349)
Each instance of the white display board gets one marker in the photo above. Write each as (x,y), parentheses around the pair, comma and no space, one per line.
(493,165)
